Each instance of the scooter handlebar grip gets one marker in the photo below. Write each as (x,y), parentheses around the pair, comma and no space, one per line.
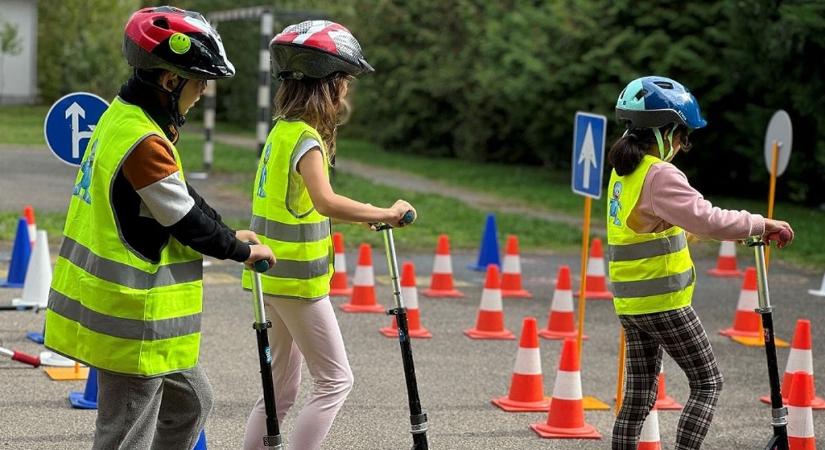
(25,358)
(261,266)
(408,218)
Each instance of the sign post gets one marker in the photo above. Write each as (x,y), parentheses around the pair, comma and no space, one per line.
(778,141)
(69,125)
(587,167)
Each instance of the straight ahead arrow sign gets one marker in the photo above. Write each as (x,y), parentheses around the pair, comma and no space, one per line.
(587,156)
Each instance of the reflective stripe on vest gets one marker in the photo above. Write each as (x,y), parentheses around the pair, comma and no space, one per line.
(109,306)
(649,249)
(649,272)
(124,275)
(285,219)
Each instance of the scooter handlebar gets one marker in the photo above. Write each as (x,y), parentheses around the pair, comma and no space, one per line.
(261,266)
(408,218)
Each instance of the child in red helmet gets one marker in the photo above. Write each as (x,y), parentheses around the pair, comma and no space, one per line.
(126,295)
(292,205)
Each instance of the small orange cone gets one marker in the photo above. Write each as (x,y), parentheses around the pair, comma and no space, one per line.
(28,213)
(441,283)
(527,385)
(511,272)
(410,295)
(649,437)
(726,262)
(800,416)
(338,284)
(596,278)
(746,322)
(565,420)
(363,290)
(561,322)
(490,322)
(799,360)
(664,401)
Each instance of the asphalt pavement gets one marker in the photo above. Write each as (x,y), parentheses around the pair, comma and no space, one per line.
(457,376)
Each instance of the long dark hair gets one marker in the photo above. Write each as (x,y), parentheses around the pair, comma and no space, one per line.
(317,102)
(627,152)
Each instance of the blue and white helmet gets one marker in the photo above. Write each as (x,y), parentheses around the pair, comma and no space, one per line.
(655,102)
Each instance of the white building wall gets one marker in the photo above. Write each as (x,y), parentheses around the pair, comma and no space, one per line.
(18,80)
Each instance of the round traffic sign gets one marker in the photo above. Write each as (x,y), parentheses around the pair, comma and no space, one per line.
(69,125)
(781,132)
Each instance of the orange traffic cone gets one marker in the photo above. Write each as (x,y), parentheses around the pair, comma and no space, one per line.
(441,283)
(649,437)
(726,262)
(800,416)
(799,360)
(28,213)
(490,322)
(565,420)
(746,322)
(561,322)
(664,401)
(410,295)
(527,385)
(595,276)
(511,272)
(338,284)
(363,291)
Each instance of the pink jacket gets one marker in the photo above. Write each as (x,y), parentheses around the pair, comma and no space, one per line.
(668,199)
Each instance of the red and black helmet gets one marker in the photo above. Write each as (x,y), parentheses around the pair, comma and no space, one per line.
(315,49)
(179,41)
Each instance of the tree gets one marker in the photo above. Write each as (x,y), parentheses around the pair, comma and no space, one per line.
(9,45)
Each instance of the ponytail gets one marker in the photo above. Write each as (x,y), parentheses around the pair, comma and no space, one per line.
(626,154)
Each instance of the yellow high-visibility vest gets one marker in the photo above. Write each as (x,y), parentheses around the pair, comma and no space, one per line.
(285,219)
(110,307)
(649,272)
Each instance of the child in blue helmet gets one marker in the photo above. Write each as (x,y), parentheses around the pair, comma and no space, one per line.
(652,209)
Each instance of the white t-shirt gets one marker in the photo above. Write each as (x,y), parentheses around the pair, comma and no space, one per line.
(303,148)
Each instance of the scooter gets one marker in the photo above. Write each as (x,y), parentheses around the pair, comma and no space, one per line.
(779,413)
(418,418)
(273,438)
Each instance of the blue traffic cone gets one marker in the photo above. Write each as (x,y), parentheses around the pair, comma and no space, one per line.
(37,338)
(20,254)
(489,246)
(201,445)
(88,398)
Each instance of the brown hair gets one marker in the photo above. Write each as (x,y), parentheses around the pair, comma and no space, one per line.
(317,102)
(627,152)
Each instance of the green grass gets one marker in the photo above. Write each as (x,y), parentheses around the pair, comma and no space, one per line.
(51,222)
(534,186)
(226,158)
(22,125)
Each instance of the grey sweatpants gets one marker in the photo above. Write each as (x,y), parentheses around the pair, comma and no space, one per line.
(159,413)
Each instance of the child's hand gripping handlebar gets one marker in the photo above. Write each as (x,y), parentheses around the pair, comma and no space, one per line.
(408,218)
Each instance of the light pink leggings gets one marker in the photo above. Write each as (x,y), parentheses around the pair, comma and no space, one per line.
(303,330)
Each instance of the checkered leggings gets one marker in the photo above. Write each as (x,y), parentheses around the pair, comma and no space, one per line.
(681,335)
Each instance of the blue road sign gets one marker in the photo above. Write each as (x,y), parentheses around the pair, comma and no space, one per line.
(588,154)
(69,125)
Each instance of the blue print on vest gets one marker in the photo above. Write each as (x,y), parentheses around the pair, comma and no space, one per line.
(615,206)
(262,180)
(81,189)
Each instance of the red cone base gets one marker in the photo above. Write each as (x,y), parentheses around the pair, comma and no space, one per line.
(585,432)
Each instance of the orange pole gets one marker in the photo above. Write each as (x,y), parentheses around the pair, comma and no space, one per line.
(583,287)
(771,195)
(620,375)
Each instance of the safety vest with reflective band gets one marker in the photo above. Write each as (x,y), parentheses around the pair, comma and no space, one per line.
(109,307)
(285,219)
(649,272)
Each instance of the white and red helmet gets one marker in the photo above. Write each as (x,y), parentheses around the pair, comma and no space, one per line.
(177,40)
(315,49)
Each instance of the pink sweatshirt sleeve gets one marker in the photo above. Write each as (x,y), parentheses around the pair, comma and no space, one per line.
(671,197)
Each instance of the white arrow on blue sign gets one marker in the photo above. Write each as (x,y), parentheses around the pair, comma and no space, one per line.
(69,125)
(588,154)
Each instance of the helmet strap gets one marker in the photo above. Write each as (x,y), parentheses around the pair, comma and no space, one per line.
(174,96)
(660,142)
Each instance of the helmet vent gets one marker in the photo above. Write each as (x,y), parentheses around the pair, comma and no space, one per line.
(663,84)
(161,22)
(640,94)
